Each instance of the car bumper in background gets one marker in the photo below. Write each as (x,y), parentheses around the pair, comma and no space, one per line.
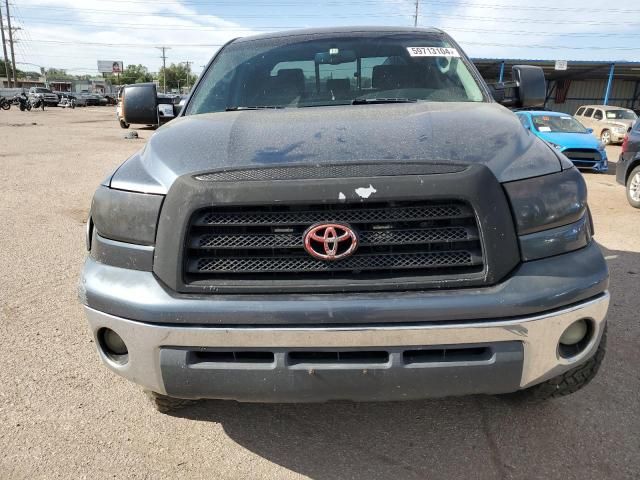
(617,137)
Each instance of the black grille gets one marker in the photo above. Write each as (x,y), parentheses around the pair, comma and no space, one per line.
(583,155)
(298,172)
(395,239)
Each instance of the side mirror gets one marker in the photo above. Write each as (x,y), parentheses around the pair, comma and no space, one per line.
(528,88)
(140,104)
(589,130)
(532,88)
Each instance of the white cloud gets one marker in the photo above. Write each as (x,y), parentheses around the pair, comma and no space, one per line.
(145,25)
(478,26)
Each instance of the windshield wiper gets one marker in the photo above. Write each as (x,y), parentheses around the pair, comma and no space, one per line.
(257,107)
(365,101)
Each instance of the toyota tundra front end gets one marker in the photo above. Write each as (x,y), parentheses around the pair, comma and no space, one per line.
(345,214)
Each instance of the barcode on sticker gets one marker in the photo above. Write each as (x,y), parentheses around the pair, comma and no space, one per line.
(433,52)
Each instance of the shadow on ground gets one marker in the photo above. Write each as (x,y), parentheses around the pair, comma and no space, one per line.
(591,434)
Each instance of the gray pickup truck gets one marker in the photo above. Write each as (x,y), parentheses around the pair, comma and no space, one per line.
(48,97)
(345,214)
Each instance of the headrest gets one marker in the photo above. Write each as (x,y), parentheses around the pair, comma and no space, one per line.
(392,77)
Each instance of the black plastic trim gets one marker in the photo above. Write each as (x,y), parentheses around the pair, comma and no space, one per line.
(358,380)
(475,185)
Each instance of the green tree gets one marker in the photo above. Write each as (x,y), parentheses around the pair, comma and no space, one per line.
(178,77)
(131,74)
(3,70)
(58,74)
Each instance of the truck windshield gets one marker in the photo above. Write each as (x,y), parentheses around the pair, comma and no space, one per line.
(343,70)
(557,124)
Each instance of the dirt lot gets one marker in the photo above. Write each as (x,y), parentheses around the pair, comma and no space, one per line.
(63,415)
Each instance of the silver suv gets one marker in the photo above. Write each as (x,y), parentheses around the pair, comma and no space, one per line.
(609,123)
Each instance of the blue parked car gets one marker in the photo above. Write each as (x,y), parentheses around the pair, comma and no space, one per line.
(569,136)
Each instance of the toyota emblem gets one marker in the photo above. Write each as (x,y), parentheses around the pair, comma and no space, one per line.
(330,241)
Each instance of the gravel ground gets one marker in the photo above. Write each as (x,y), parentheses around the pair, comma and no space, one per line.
(63,415)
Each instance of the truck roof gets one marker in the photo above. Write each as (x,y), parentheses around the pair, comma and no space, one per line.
(338,30)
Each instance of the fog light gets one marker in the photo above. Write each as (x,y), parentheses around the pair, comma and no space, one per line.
(113,345)
(575,333)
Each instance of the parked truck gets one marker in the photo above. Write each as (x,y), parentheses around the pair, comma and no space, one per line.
(345,213)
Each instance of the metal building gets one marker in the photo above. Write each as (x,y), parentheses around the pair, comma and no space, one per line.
(609,83)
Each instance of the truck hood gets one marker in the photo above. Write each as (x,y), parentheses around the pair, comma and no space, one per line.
(571,140)
(456,133)
(622,123)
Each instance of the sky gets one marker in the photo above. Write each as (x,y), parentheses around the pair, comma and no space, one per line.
(74,34)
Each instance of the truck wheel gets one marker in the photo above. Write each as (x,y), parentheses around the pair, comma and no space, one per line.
(123,124)
(605,137)
(565,384)
(166,404)
(633,188)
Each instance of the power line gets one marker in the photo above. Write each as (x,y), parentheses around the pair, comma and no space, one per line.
(234,3)
(13,56)
(545,34)
(140,45)
(28,51)
(4,49)
(546,8)
(143,26)
(551,47)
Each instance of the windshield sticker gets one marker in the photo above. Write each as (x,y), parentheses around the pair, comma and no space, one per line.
(544,129)
(432,52)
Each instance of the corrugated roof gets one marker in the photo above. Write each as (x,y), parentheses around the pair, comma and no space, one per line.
(576,69)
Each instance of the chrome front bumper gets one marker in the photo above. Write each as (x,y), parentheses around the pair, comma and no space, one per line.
(539,335)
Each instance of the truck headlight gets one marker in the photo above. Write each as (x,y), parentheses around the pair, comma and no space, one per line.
(551,213)
(126,216)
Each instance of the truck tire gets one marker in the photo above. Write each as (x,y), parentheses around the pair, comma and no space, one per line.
(605,137)
(166,404)
(633,188)
(565,384)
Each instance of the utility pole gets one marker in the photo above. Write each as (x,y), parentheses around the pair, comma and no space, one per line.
(415,17)
(13,57)
(164,68)
(4,49)
(188,74)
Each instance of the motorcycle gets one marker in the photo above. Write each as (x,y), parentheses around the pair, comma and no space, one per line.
(22,101)
(67,102)
(5,104)
(37,102)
